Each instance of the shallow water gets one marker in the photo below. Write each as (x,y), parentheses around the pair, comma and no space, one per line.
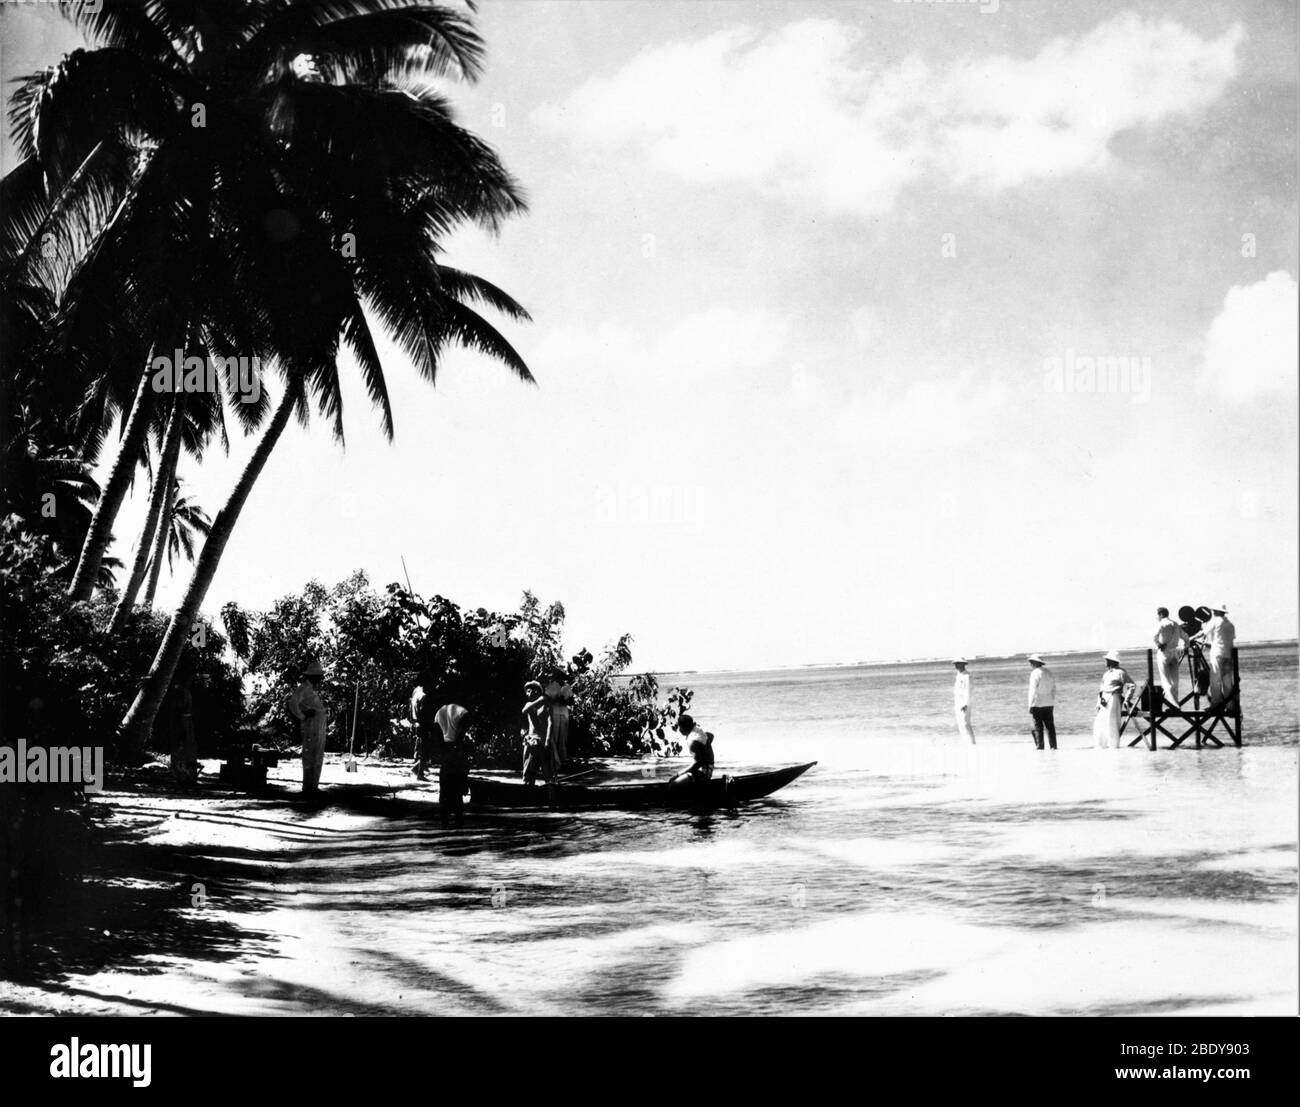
(906,874)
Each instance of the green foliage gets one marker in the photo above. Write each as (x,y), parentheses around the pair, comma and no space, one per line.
(615,715)
(66,680)
(376,647)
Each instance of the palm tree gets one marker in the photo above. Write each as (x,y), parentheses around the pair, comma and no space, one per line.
(45,477)
(189,420)
(184,520)
(157,499)
(311,198)
(206,100)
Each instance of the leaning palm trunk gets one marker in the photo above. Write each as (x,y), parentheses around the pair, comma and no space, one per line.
(100,533)
(138,724)
(160,546)
(156,518)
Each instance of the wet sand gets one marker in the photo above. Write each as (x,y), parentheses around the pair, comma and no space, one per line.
(963,882)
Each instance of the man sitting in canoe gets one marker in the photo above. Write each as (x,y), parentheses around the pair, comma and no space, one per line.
(699,743)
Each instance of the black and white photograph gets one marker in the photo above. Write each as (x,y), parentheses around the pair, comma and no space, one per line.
(651,508)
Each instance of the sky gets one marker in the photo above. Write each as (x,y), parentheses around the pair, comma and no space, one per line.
(819,294)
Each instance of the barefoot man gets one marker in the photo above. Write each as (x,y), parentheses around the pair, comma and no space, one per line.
(961,700)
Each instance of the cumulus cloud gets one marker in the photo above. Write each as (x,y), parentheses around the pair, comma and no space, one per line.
(798,113)
(1251,349)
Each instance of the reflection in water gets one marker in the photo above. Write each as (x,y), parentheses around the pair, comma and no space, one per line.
(1036,886)
(904,875)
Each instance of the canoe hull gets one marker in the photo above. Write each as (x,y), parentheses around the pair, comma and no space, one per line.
(721,791)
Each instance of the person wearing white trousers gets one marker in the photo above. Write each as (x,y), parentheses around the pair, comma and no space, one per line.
(961,700)
(1220,636)
(1110,702)
(1171,644)
(308,709)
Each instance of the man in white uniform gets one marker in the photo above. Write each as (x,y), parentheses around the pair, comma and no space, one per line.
(1042,701)
(308,709)
(1220,636)
(1171,643)
(961,700)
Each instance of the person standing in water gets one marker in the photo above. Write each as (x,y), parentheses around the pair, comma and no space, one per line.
(308,710)
(961,700)
(1042,701)
(1115,683)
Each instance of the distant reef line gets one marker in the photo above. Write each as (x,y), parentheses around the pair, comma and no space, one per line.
(945,659)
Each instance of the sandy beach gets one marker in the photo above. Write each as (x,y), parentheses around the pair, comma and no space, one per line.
(917,890)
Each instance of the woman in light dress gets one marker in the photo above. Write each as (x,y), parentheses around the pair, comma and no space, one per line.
(559,694)
(1110,702)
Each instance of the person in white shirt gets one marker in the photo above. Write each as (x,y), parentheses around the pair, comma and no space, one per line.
(1115,683)
(961,700)
(1171,644)
(1219,636)
(308,710)
(1042,701)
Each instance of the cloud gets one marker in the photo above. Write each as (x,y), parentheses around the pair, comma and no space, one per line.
(1251,349)
(797,113)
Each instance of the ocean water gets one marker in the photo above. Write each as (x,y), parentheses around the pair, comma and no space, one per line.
(905,874)
(852,716)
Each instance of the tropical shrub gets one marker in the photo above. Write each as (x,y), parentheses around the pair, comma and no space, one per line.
(376,647)
(66,680)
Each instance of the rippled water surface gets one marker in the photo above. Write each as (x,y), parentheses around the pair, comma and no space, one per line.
(906,874)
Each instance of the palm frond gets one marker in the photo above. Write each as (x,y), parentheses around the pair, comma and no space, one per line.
(468,287)
(93,96)
(356,333)
(145,27)
(366,41)
(344,147)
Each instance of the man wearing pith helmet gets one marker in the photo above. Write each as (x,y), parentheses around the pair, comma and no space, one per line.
(1042,701)
(1220,636)
(308,709)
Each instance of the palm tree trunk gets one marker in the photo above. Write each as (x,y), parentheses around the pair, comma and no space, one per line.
(161,494)
(100,532)
(138,724)
(160,547)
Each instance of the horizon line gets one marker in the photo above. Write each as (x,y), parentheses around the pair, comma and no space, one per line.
(920,660)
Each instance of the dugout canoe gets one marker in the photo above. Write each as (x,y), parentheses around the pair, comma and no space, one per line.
(723,790)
